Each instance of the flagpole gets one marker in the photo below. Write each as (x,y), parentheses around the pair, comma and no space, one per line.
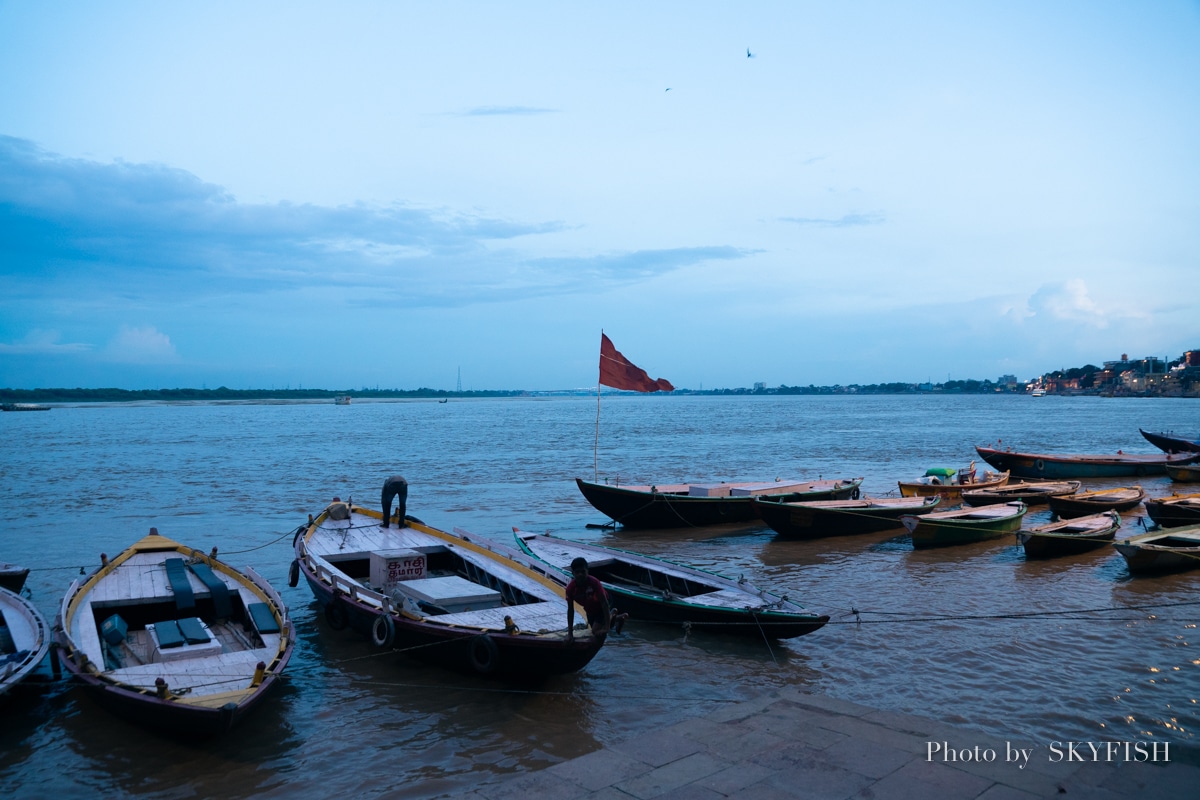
(596,445)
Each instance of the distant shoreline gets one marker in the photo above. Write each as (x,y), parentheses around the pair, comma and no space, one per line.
(223,394)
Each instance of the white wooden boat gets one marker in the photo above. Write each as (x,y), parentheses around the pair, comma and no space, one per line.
(455,599)
(649,588)
(174,639)
(24,639)
(12,576)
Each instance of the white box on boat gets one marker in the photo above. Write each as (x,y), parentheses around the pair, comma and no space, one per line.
(452,593)
(389,566)
(708,490)
(766,488)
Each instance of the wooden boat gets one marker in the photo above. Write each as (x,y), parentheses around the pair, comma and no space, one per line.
(1189,473)
(1057,466)
(24,639)
(1082,504)
(342,400)
(12,576)
(949,483)
(812,520)
(652,589)
(697,504)
(1174,511)
(1171,444)
(964,525)
(454,599)
(174,639)
(1175,550)
(1029,493)
(1070,536)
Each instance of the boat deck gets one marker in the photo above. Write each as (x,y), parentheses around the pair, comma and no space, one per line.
(224,664)
(356,538)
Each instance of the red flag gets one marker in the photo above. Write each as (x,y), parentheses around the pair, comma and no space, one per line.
(618,372)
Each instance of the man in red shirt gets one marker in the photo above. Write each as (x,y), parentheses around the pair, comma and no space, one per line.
(589,593)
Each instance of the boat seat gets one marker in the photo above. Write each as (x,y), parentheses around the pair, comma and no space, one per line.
(168,634)
(262,618)
(177,577)
(222,605)
(193,631)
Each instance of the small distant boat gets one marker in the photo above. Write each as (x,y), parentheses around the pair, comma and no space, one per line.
(1029,493)
(1056,466)
(1174,511)
(24,407)
(964,525)
(342,400)
(819,518)
(24,639)
(1187,473)
(1039,392)
(12,576)
(1171,444)
(174,639)
(458,600)
(444,400)
(649,588)
(949,483)
(1082,504)
(696,504)
(1070,536)
(1156,552)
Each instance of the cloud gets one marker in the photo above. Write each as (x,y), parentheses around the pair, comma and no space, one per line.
(43,343)
(140,346)
(848,221)
(148,233)
(495,111)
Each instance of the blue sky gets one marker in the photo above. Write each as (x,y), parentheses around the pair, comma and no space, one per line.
(381,194)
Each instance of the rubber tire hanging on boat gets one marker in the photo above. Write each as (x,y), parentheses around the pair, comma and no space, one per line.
(335,615)
(855,494)
(383,631)
(1039,465)
(484,654)
(294,573)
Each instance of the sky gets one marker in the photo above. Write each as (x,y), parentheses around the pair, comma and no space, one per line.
(406,195)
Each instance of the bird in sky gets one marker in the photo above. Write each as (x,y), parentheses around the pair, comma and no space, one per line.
(748,53)
(667,89)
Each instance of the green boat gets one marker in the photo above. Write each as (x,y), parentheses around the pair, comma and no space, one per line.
(963,525)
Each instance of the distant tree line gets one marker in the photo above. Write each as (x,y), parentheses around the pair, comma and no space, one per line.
(223,393)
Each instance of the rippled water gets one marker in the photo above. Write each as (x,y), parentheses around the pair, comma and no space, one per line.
(90,479)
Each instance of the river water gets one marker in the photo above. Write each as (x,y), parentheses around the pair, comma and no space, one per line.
(82,480)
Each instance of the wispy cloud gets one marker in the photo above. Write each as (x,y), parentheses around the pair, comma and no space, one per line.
(499,111)
(40,342)
(848,221)
(151,233)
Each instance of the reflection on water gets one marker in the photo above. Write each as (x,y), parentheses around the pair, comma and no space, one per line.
(974,635)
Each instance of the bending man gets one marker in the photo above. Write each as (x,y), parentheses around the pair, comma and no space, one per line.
(395,488)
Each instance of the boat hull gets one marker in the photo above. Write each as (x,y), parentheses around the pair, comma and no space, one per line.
(1159,553)
(480,645)
(1058,539)
(1060,467)
(1171,444)
(635,508)
(815,520)
(651,589)
(206,693)
(25,640)
(933,530)
(1089,503)
(951,493)
(1184,473)
(1167,514)
(459,650)
(1029,494)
